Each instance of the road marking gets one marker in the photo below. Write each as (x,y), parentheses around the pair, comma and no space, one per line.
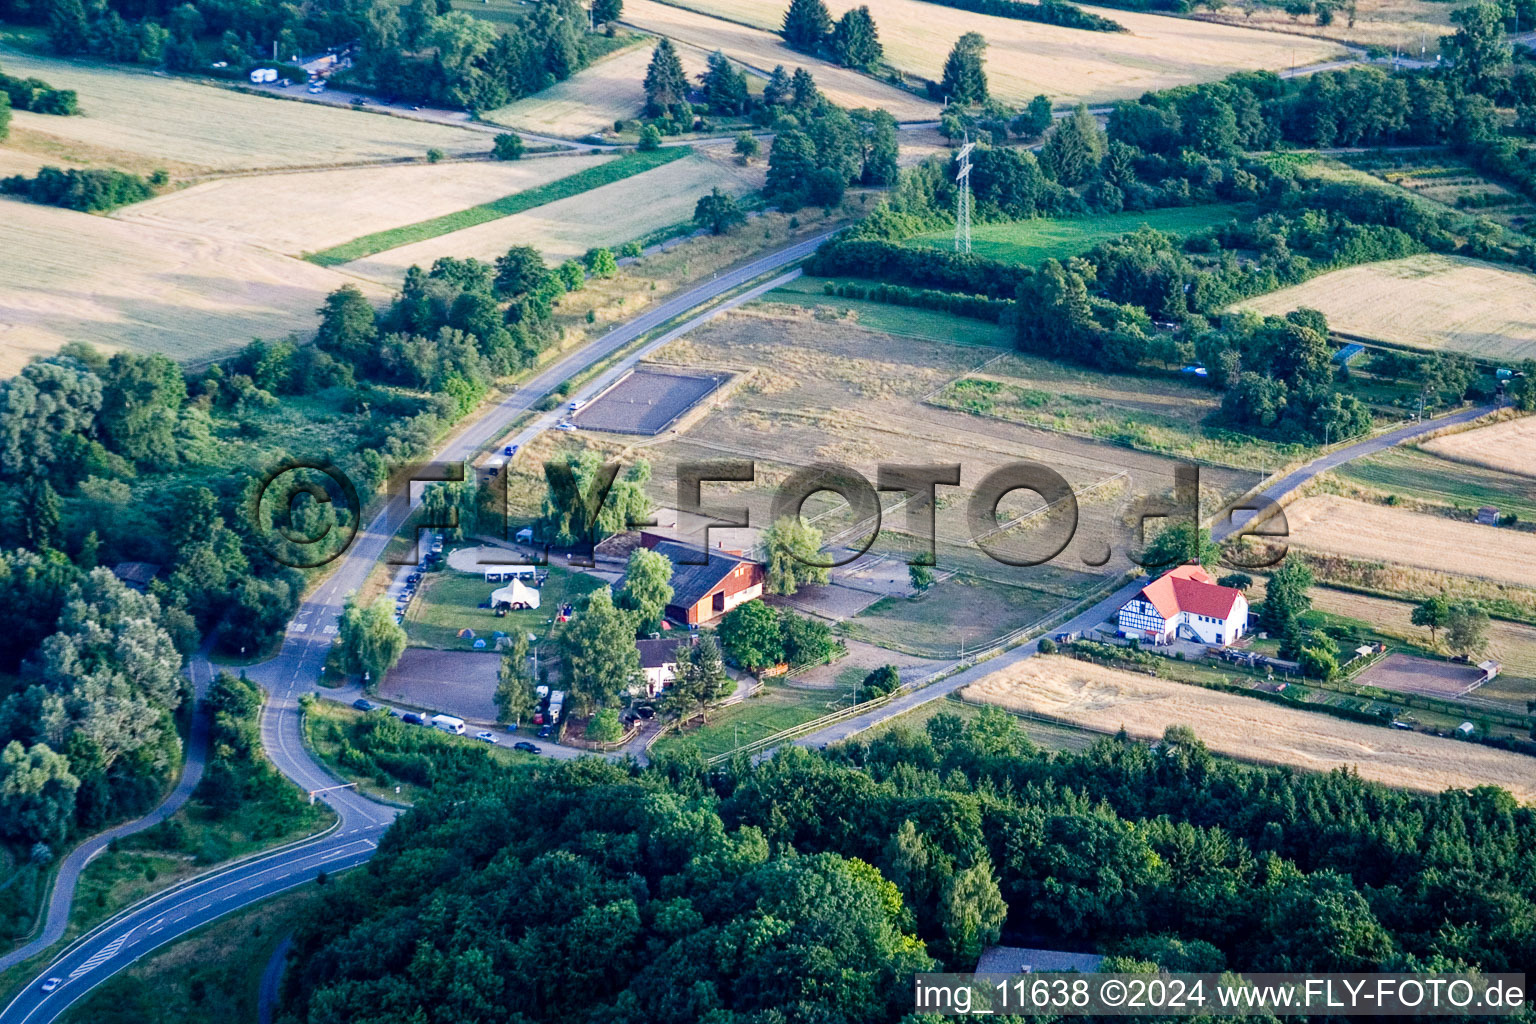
(106,953)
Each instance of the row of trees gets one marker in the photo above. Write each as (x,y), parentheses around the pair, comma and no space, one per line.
(38,96)
(625,894)
(89,190)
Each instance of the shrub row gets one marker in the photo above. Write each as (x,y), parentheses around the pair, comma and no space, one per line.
(90,191)
(1048,12)
(976,307)
(918,267)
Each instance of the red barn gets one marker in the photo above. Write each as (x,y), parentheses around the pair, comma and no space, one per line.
(703,593)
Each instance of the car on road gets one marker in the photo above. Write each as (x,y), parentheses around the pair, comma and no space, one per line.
(576,405)
(51,984)
(412,718)
(526,747)
(565,426)
(488,737)
(364,704)
(509,450)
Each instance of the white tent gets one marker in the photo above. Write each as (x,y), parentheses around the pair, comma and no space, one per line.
(517,594)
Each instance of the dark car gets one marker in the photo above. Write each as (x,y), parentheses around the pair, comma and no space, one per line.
(363,704)
(525,747)
(645,711)
(546,732)
(412,718)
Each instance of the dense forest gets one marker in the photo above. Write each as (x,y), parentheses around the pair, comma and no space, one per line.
(809,887)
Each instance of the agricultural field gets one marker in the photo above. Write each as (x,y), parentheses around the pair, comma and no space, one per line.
(1508,447)
(1425,479)
(1107,699)
(592,99)
(1414,26)
(142,288)
(1447,303)
(1026,58)
(608,215)
(1439,177)
(313,210)
(1330,524)
(138,121)
(1028,242)
(1148,413)
(760,50)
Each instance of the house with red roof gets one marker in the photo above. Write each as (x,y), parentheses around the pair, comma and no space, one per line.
(1185,603)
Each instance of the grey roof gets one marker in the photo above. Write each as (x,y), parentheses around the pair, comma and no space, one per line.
(656,653)
(1019,960)
(691,583)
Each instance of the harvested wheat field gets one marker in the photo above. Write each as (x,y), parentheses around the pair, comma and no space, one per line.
(761,50)
(608,215)
(67,276)
(593,98)
(1432,302)
(312,210)
(1108,699)
(1509,446)
(1027,58)
(1379,533)
(130,117)
(1409,24)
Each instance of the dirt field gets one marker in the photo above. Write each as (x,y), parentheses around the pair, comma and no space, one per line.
(459,683)
(1432,302)
(593,98)
(1325,522)
(133,119)
(1026,58)
(1410,24)
(1252,730)
(761,50)
(313,210)
(67,276)
(1509,447)
(1407,673)
(608,215)
(647,401)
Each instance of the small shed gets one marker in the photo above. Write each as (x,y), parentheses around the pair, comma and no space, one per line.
(1490,669)
(524,536)
(1466,729)
(1488,515)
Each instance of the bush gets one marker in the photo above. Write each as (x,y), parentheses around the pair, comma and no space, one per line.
(878,683)
(650,139)
(605,727)
(434,155)
(1047,645)
(508,146)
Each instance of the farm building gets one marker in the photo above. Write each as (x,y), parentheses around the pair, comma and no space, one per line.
(1019,960)
(706,591)
(1488,516)
(1185,603)
(658,660)
(136,575)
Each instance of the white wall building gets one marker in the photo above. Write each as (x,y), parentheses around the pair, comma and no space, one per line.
(1185,604)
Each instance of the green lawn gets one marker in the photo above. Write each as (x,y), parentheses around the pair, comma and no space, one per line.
(449,601)
(606,173)
(774,709)
(1030,241)
(905,321)
(1411,473)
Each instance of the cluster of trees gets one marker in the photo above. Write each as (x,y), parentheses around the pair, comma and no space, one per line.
(586,500)
(757,636)
(626,894)
(1465,623)
(977,307)
(90,190)
(853,41)
(88,732)
(38,96)
(1048,12)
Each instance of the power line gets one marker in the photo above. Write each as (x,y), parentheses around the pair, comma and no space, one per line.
(963,197)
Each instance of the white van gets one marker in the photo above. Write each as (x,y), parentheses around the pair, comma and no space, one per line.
(448,723)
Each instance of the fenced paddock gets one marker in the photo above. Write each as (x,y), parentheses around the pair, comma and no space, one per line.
(648,401)
(1404,673)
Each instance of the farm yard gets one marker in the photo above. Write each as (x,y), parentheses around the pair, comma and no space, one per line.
(312,210)
(67,276)
(1330,524)
(1107,700)
(1027,58)
(565,228)
(761,50)
(1448,303)
(592,99)
(138,121)
(1508,447)
(1028,242)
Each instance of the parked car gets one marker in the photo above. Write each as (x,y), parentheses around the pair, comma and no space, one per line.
(545,732)
(412,718)
(565,426)
(488,737)
(393,713)
(645,711)
(53,983)
(525,747)
(364,704)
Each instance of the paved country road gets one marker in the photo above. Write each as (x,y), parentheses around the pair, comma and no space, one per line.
(110,947)
(1106,607)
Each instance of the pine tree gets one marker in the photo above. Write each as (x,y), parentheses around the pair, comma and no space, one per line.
(806,24)
(604,11)
(855,41)
(666,85)
(725,88)
(68,32)
(804,96)
(1075,147)
(777,91)
(965,80)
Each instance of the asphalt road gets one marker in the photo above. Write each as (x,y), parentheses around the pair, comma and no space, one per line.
(1108,606)
(116,943)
